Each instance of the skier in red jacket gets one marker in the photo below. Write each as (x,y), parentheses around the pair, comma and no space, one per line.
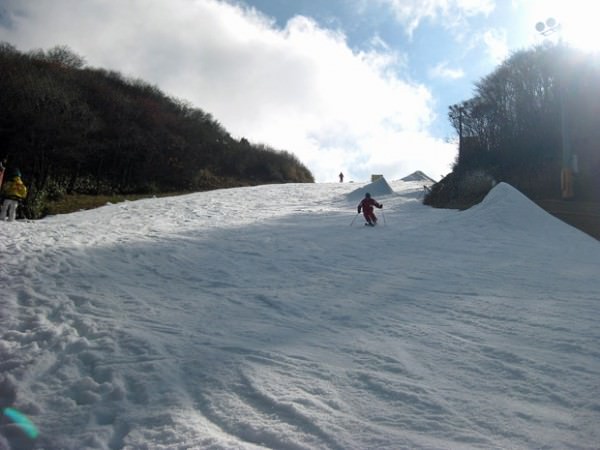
(366,206)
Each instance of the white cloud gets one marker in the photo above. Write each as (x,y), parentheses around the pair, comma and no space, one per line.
(496,45)
(448,13)
(442,70)
(300,88)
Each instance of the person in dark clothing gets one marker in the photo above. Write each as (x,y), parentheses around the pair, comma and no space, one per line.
(366,206)
(2,168)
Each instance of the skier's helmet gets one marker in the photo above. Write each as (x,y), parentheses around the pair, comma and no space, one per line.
(368,195)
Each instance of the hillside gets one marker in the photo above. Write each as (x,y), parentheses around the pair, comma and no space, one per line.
(72,129)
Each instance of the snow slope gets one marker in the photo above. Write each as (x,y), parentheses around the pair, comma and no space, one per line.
(259,318)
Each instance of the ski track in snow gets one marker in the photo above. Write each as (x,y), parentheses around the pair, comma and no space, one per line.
(258,318)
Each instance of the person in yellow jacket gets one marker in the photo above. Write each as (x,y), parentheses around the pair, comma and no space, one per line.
(13,192)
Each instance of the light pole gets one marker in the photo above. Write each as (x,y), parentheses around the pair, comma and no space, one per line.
(461,110)
(566,174)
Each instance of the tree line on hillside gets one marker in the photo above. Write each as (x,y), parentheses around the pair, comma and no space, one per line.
(74,129)
(512,128)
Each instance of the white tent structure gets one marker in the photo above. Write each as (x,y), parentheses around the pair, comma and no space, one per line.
(377,188)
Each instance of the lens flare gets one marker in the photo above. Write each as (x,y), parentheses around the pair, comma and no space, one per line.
(22,422)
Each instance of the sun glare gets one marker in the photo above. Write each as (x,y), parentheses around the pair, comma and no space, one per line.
(577,20)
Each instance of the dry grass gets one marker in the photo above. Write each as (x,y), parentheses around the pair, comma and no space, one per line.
(72,203)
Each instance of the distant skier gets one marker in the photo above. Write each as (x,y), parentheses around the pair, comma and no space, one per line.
(366,206)
(13,192)
(341,177)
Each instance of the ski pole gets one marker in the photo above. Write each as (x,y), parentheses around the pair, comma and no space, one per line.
(352,223)
(383,215)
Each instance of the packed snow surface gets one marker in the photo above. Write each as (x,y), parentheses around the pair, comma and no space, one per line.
(271,318)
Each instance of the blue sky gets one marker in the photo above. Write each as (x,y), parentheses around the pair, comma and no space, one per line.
(359,86)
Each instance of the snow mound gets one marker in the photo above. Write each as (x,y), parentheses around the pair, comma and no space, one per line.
(418,176)
(377,188)
(504,199)
(509,208)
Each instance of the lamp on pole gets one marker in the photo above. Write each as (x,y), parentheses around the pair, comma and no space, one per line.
(551,26)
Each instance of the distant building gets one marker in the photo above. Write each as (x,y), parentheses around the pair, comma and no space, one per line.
(418,176)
